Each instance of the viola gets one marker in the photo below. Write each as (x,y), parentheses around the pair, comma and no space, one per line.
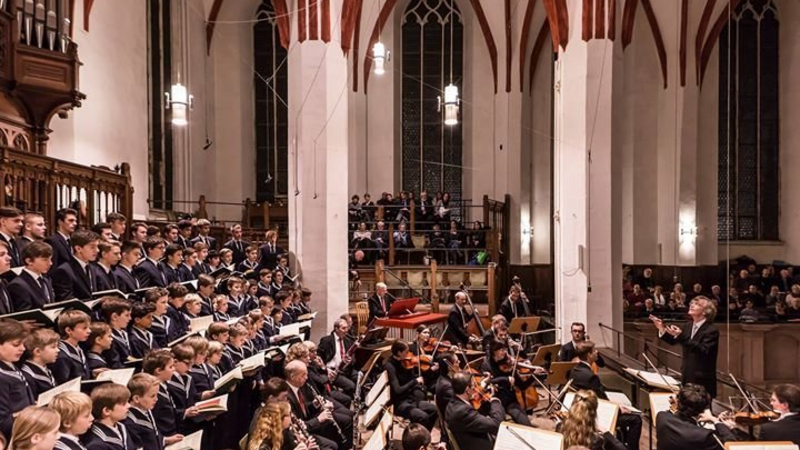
(432,343)
(480,396)
(410,362)
(754,418)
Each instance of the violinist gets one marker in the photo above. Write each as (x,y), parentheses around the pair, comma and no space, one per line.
(458,320)
(683,429)
(567,352)
(584,378)
(423,347)
(471,429)
(408,393)
(417,437)
(785,399)
(515,305)
(514,348)
(334,349)
(491,333)
(506,378)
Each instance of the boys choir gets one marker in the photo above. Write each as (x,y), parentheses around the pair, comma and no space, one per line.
(139,303)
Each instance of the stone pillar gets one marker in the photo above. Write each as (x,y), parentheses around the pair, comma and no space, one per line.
(588,240)
(318,167)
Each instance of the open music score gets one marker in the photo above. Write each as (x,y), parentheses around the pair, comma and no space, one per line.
(607,413)
(659,401)
(511,436)
(759,445)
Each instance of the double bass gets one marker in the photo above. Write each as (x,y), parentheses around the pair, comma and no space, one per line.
(475,327)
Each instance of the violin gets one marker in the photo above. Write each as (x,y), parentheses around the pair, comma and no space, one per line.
(480,396)
(432,343)
(410,362)
(750,419)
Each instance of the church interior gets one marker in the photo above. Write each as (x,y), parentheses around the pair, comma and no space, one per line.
(528,189)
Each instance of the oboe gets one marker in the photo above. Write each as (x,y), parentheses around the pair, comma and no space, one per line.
(319,402)
(300,431)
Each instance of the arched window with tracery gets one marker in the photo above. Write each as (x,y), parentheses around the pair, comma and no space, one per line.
(431,157)
(271,108)
(748,123)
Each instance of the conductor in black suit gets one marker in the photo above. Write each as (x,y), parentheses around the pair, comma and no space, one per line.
(471,429)
(74,277)
(66,222)
(584,378)
(700,341)
(786,400)
(380,302)
(32,289)
(680,430)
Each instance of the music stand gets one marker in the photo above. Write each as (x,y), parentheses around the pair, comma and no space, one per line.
(371,363)
(402,306)
(558,372)
(544,352)
(524,326)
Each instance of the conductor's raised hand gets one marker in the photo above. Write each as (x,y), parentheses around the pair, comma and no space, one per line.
(657,322)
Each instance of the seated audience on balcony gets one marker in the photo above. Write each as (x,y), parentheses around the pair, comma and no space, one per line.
(637,297)
(754,295)
(793,310)
(66,222)
(437,243)
(766,280)
(380,239)
(717,297)
(368,208)
(697,290)
(784,281)
(743,281)
(645,280)
(354,212)
(362,237)
(402,238)
(424,211)
(794,294)
(442,207)
(773,297)
(659,300)
(780,311)
(678,295)
(749,312)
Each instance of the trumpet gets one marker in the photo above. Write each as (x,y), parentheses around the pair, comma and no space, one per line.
(320,402)
(300,431)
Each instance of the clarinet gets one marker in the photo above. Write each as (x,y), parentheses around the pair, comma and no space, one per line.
(300,431)
(356,408)
(319,402)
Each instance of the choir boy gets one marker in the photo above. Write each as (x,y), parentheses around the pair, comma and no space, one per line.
(176,297)
(32,289)
(117,313)
(205,289)
(71,362)
(110,255)
(203,230)
(34,229)
(66,223)
(161,364)
(15,393)
(124,276)
(184,233)
(140,421)
(73,278)
(75,409)
(192,307)
(173,258)
(141,339)
(42,349)
(11,222)
(181,388)
(201,373)
(109,408)
(250,264)
(118,224)
(162,324)
(221,309)
(147,271)
(100,341)
(265,283)
(187,270)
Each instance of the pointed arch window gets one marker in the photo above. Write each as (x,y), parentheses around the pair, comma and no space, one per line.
(748,124)
(432,156)
(271,107)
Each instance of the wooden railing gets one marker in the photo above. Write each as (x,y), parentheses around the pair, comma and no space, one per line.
(38,183)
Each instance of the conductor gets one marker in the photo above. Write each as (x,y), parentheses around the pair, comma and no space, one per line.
(700,341)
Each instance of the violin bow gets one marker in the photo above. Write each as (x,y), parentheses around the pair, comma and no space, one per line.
(439,342)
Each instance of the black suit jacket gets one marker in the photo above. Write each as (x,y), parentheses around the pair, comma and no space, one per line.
(238,250)
(71,281)
(212,242)
(470,428)
(6,306)
(149,275)
(584,378)
(699,363)
(327,346)
(675,433)
(103,281)
(567,352)
(126,281)
(269,259)
(14,251)
(785,429)
(308,413)
(26,294)
(173,275)
(22,242)
(61,250)
(375,308)
(456,328)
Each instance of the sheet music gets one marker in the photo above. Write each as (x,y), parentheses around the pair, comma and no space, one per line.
(118,376)
(380,383)
(781,445)
(377,407)
(236,373)
(659,401)
(376,442)
(289,330)
(654,379)
(252,363)
(385,425)
(200,323)
(606,413)
(622,400)
(523,438)
(73,385)
(308,316)
(304,324)
(191,441)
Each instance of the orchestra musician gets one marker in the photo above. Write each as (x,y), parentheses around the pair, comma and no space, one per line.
(317,417)
(491,333)
(785,399)
(567,352)
(417,348)
(700,341)
(506,379)
(334,349)
(407,387)
(471,429)
(515,305)
(417,437)
(682,429)
(579,427)
(458,321)
(380,302)
(584,378)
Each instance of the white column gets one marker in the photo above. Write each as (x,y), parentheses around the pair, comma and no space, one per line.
(318,168)
(588,256)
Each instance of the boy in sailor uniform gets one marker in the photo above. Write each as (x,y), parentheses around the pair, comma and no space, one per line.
(161,365)
(75,409)
(71,362)
(109,408)
(181,388)
(141,422)
(42,346)
(176,295)
(161,322)
(117,313)
(100,341)
(141,339)
(15,394)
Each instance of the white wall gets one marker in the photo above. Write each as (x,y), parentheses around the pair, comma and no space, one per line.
(111,125)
